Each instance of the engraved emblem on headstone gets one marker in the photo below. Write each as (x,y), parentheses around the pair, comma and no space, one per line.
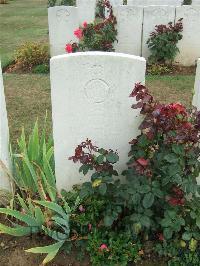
(97,90)
(62,14)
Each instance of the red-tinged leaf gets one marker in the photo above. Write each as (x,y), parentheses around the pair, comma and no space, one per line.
(137,105)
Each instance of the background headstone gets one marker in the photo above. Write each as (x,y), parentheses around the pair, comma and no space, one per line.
(129,28)
(63,21)
(189,46)
(154,2)
(90,99)
(155,15)
(196,97)
(114,3)
(195,2)
(86,10)
(4,138)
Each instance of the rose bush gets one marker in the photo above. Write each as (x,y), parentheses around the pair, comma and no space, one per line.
(97,36)
(163,42)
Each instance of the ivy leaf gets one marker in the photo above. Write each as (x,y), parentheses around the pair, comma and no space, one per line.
(148,200)
(112,157)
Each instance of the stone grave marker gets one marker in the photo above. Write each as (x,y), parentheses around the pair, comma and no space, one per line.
(155,15)
(90,99)
(114,4)
(63,21)
(129,28)
(196,97)
(86,10)
(4,139)
(189,46)
(154,2)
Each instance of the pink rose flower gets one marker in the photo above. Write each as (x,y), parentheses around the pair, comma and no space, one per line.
(85,24)
(68,48)
(143,162)
(78,33)
(81,208)
(103,247)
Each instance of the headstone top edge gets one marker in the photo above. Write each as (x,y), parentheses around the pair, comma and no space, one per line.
(95,53)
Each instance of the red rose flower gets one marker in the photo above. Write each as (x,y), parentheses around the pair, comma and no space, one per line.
(176,201)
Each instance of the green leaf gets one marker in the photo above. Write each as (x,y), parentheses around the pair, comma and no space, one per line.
(54,207)
(144,189)
(39,216)
(166,222)
(178,149)
(198,222)
(108,220)
(23,204)
(34,146)
(145,221)
(46,249)
(157,192)
(167,232)
(18,231)
(102,151)
(50,256)
(148,200)
(84,168)
(171,158)
(18,215)
(58,236)
(112,157)
(187,236)
(102,189)
(100,159)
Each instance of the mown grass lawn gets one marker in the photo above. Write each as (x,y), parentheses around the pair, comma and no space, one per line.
(28,97)
(20,21)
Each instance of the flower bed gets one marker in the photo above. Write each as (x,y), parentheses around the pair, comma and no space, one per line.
(155,212)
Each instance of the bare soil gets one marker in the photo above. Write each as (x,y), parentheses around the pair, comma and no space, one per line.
(12,253)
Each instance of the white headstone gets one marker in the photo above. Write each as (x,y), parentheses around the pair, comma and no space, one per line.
(189,46)
(86,10)
(114,3)
(4,138)
(155,15)
(63,21)
(154,2)
(196,97)
(129,28)
(90,99)
(195,2)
